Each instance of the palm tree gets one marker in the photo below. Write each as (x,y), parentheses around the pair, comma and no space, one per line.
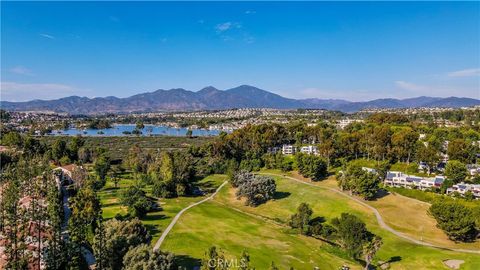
(370,249)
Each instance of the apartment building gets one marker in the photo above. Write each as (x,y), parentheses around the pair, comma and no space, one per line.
(309,149)
(288,149)
(399,179)
(462,188)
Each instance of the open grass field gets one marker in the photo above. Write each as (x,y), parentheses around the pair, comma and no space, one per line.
(232,226)
(409,216)
(118,146)
(157,220)
(215,224)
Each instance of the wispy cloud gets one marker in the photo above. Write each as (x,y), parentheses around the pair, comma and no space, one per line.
(21,71)
(471,72)
(248,12)
(411,86)
(47,36)
(13,91)
(223,27)
(234,31)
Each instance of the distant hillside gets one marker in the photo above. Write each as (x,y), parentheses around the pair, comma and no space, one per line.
(210,98)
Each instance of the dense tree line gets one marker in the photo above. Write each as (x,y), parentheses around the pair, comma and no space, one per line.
(387,138)
(459,222)
(30,208)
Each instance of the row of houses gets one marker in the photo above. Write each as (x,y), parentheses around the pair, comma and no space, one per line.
(37,238)
(399,179)
(473,169)
(288,149)
(35,234)
(463,188)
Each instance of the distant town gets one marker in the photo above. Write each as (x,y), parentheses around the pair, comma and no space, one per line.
(42,122)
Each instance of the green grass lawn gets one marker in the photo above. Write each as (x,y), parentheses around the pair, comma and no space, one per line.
(212,223)
(155,221)
(220,223)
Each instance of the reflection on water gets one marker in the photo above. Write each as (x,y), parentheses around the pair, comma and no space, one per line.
(124,130)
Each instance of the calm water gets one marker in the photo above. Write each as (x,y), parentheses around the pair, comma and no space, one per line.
(117,130)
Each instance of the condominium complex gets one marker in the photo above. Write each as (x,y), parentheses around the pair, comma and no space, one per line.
(399,179)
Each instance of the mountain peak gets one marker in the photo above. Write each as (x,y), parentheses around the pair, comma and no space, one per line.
(208,89)
(210,98)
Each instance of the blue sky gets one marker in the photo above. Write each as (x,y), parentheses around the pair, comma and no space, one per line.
(348,50)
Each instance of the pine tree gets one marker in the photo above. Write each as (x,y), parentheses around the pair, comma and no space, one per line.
(15,220)
(55,254)
(99,246)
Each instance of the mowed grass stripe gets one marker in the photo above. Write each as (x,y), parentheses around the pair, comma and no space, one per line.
(232,231)
(324,203)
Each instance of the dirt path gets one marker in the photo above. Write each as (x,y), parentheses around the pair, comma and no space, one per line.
(179,214)
(380,221)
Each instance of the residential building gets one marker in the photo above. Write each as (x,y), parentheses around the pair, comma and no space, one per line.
(473,169)
(345,122)
(66,174)
(370,170)
(36,237)
(273,150)
(309,149)
(288,149)
(462,188)
(399,179)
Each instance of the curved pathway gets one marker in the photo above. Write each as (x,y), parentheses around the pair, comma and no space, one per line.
(179,214)
(380,221)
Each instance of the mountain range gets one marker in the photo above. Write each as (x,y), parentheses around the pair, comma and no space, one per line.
(210,98)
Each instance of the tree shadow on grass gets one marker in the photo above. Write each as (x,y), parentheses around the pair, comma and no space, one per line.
(386,264)
(380,194)
(154,217)
(317,220)
(152,229)
(394,259)
(281,195)
(186,262)
(207,185)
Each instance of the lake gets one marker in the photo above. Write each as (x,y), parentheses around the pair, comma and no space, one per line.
(117,130)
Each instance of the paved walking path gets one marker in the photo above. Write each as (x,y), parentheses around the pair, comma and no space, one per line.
(379,217)
(179,214)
